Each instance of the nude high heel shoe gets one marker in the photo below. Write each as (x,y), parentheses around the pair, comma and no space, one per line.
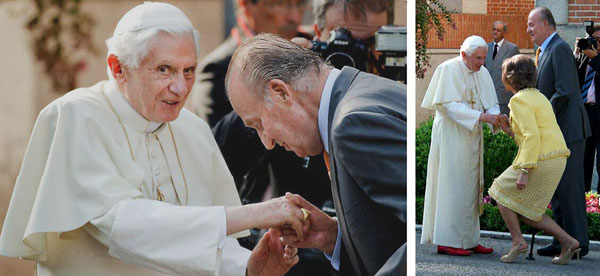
(564,259)
(514,253)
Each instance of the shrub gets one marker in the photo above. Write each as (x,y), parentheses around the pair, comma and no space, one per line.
(499,152)
(422,144)
(419,211)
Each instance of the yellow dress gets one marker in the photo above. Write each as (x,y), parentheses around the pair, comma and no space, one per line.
(541,148)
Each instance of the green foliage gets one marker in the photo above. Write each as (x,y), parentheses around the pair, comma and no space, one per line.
(422,144)
(593,220)
(430,15)
(420,202)
(499,152)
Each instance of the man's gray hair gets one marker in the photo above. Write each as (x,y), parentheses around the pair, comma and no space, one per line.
(545,14)
(266,57)
(500,22)
(471,44)
(132,47)
(354,8)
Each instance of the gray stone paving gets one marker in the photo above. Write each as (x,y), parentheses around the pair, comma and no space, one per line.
(428,262)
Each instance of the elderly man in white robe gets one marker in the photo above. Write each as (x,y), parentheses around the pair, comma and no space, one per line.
(463,96)
(119,179)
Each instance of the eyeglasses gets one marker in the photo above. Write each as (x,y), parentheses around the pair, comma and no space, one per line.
(283,5)
(496,29)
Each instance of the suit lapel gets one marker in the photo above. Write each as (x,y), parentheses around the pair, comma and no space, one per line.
(339,89)
(502,52)
(546,53)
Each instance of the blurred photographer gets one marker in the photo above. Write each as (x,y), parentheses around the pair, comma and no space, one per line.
(348,31)
(588,66)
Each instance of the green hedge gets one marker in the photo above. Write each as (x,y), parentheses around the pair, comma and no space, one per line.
(492,220)
(499,152)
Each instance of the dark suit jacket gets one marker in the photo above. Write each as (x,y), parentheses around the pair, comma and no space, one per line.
(557,80)
(213,69)
(367,152)
(494,66)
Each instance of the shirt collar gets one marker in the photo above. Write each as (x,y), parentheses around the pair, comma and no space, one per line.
(545,43)
(324,107)
(126,112)
(500,43)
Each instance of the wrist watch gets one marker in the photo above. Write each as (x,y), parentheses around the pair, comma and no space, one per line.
(524,171)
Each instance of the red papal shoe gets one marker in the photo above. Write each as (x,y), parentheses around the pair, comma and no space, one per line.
(452,251)
(479,249)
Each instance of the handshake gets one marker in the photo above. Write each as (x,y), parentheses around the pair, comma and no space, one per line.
(293,222)
(497,120)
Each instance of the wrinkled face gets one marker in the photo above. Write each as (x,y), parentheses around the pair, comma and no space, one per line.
(475,60)
(281,17)
(360,28)
(537,28)
(286,122)
(498,32)
(159,87)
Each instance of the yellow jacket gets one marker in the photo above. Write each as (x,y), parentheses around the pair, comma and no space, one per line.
(533,121)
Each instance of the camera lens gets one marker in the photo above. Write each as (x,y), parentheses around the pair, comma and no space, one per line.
(340,59)
(583,44)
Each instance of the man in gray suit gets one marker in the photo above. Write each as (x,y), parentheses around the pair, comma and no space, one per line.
(292,98)
(499,50)
(557,80)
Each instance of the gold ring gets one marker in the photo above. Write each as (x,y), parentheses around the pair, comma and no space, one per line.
(305,213)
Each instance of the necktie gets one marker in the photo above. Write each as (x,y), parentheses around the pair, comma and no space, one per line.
(589,78)
(495,51)
(537,55)
(326,157)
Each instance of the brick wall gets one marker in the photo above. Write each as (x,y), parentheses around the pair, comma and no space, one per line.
(513,12)
(510,7)
(580,10)
(481,25)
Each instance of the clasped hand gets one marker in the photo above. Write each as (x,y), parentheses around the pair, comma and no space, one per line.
(497,120)
(290,229)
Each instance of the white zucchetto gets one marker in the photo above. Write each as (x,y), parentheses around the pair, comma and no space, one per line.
(151,14)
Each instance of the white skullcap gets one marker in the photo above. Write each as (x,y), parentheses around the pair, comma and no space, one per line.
(151,14)
(471,43)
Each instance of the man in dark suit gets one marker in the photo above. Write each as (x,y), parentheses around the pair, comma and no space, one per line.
(260,174)
(499,50)
(588,66)
(557,80)
(292,98)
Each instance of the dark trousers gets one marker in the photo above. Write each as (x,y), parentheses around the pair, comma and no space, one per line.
(568,202)
(504,109)
(592,146)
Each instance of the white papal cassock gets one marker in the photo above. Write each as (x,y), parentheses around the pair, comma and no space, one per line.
(455,165)
(85,201)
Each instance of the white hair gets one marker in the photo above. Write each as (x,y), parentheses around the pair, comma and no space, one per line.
(131,47)
(471,44)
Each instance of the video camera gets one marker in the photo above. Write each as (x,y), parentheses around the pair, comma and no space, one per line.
(587,42)
(343,50)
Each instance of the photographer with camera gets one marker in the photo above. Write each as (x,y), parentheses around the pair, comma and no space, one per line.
(355,34)
(588,66)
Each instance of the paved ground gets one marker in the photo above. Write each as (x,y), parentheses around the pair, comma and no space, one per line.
(428,262)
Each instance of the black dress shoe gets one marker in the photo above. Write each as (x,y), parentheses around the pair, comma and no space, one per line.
(584,251)
(550,250)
